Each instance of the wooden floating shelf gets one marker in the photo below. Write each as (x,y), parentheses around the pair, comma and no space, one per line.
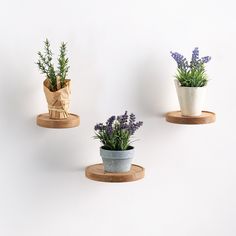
(43,120)
(205,118)
(96,172)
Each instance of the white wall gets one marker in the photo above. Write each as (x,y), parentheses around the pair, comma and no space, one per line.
(120,60)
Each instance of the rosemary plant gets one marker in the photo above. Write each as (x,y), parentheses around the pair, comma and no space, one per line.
(63,64)
(46,66)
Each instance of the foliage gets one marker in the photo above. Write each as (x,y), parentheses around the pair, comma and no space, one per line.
(191,74)
(46,66)
(63,64)
(116,133)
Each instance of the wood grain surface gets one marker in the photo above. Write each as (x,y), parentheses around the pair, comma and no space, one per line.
(176,117)
(96,172)
(43,120)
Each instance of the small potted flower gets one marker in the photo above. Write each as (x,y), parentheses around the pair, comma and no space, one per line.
(191,82)
(115,136)
(56,85)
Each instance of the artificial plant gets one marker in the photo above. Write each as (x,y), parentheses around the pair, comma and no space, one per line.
(46,66)
(116,133)
(191,74)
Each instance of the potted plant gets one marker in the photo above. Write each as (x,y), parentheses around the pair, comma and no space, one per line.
(191,82)
(115,136)
(56,85)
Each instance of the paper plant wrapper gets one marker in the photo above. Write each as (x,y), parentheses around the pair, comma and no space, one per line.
(58,101)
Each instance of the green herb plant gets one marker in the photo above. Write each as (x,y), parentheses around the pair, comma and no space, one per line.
(191,74)
(46,66)
(195,77)
(116,133)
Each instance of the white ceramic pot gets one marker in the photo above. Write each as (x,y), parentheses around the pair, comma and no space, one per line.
(191,99)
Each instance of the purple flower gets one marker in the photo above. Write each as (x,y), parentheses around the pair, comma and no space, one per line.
(116,133)
(132,118)
(109,129)
(181,60)
(111,120)
(124,126)
(195,55)
(138,125)
(134,126)
(195,62)
(109,123)
(123,118)
(99,127)
(205,59)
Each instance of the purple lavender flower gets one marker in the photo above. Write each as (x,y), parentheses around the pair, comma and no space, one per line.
(132,118)
(177,57)
(109,129)
(109,123)
(99,127)
(134,126)
(116,133)
(111,120)
(195,62)
(124,126)
(123,118)
(205,59)
(191,74)
(138,125)
(195,55)
(181,60)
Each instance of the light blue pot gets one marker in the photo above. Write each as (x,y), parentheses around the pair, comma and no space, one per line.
(117,161)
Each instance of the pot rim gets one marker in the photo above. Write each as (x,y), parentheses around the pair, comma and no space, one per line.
(179,85)
(68,81)
(127,150)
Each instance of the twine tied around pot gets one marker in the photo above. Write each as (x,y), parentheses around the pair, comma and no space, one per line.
(58,101)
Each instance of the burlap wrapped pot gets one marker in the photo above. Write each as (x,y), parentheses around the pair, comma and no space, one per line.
(58,101)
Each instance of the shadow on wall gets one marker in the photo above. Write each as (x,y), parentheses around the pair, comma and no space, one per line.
(151,89)
(59,154)
(27,143)
(32,146)
(18,97)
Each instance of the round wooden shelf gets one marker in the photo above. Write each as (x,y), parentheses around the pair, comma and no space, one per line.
(43,120)
(205,118)
(96,172)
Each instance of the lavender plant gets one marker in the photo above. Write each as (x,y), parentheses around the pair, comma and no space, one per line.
(116,133)
(191,74)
